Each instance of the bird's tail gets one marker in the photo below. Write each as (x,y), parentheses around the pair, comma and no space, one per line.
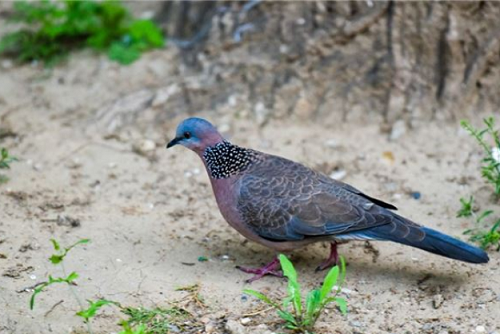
(408,233)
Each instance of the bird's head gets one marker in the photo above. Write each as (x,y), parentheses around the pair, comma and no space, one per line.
(196,134)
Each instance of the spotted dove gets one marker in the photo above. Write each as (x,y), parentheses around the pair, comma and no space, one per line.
(285,205)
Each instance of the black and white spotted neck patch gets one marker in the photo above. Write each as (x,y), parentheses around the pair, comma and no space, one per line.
(225,159)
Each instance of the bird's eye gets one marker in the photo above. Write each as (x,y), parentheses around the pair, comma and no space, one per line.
(187,135)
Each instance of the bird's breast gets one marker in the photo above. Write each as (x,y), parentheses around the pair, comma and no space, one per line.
(226,195)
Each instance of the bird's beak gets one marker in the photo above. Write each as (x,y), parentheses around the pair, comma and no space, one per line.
(173,142)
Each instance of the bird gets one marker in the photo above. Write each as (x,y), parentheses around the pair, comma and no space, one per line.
(284,205)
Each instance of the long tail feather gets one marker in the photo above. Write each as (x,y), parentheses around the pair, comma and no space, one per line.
(427,239)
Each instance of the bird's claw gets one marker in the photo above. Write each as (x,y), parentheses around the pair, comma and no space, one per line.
(269,269)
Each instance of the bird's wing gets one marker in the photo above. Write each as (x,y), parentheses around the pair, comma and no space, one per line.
(283,200)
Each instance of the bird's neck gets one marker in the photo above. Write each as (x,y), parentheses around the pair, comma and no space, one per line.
(224,159)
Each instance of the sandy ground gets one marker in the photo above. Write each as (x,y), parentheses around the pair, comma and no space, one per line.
(151,216)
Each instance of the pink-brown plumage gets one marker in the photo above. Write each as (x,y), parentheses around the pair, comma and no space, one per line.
(285,205)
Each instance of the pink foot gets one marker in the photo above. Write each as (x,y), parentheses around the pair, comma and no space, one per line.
(332,260)
(271,268)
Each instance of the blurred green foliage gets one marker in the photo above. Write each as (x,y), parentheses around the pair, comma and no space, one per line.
(5,160)
(489,140)
(52,29)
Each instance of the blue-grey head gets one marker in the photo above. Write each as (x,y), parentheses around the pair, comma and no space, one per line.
(196,134)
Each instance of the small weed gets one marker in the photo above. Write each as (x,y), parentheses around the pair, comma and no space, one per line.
(140,320)
(51,29)
(5,161)
(127,329)
(490,171)
(156,321)
(299,317)
(94,306)
(58,259)
(68,280)
(487,238)
(466,210)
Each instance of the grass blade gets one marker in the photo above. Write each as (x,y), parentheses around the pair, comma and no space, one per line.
(330,280)
(262,297)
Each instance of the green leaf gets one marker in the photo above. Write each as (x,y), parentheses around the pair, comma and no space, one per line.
(140,329)
(286,301)
(93,308)
(287,316)
(484,215)
(56,259)
(261,296)
(146,31)
(71,277)
(79,242)
(293,285)
(330,280)
(342,304)
(313,304)
(123,54)
(55,244)
(288,269)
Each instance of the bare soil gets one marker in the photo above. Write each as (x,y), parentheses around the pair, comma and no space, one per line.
(84,132)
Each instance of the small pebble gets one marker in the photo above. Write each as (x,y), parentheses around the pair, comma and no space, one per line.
(244,298)
(38,167)
(331,143)
(355,323)
(338,175)
(398,130)
(234,327)
(301,21)
(74,163)
(33,277)
(224,128)
(427,326)
(245,321)
(144,146)
(397,196)
(232,101)
(480,329)
(437,301)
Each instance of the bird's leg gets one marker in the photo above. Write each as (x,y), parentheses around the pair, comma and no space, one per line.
(332,260)
(272,268)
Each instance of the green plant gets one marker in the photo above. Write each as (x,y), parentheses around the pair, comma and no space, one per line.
(466,209)
(486,238)
(51,29)
(299,317)
(490,171)
(155,321)
(58,259)
(5,161)
(140,320)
